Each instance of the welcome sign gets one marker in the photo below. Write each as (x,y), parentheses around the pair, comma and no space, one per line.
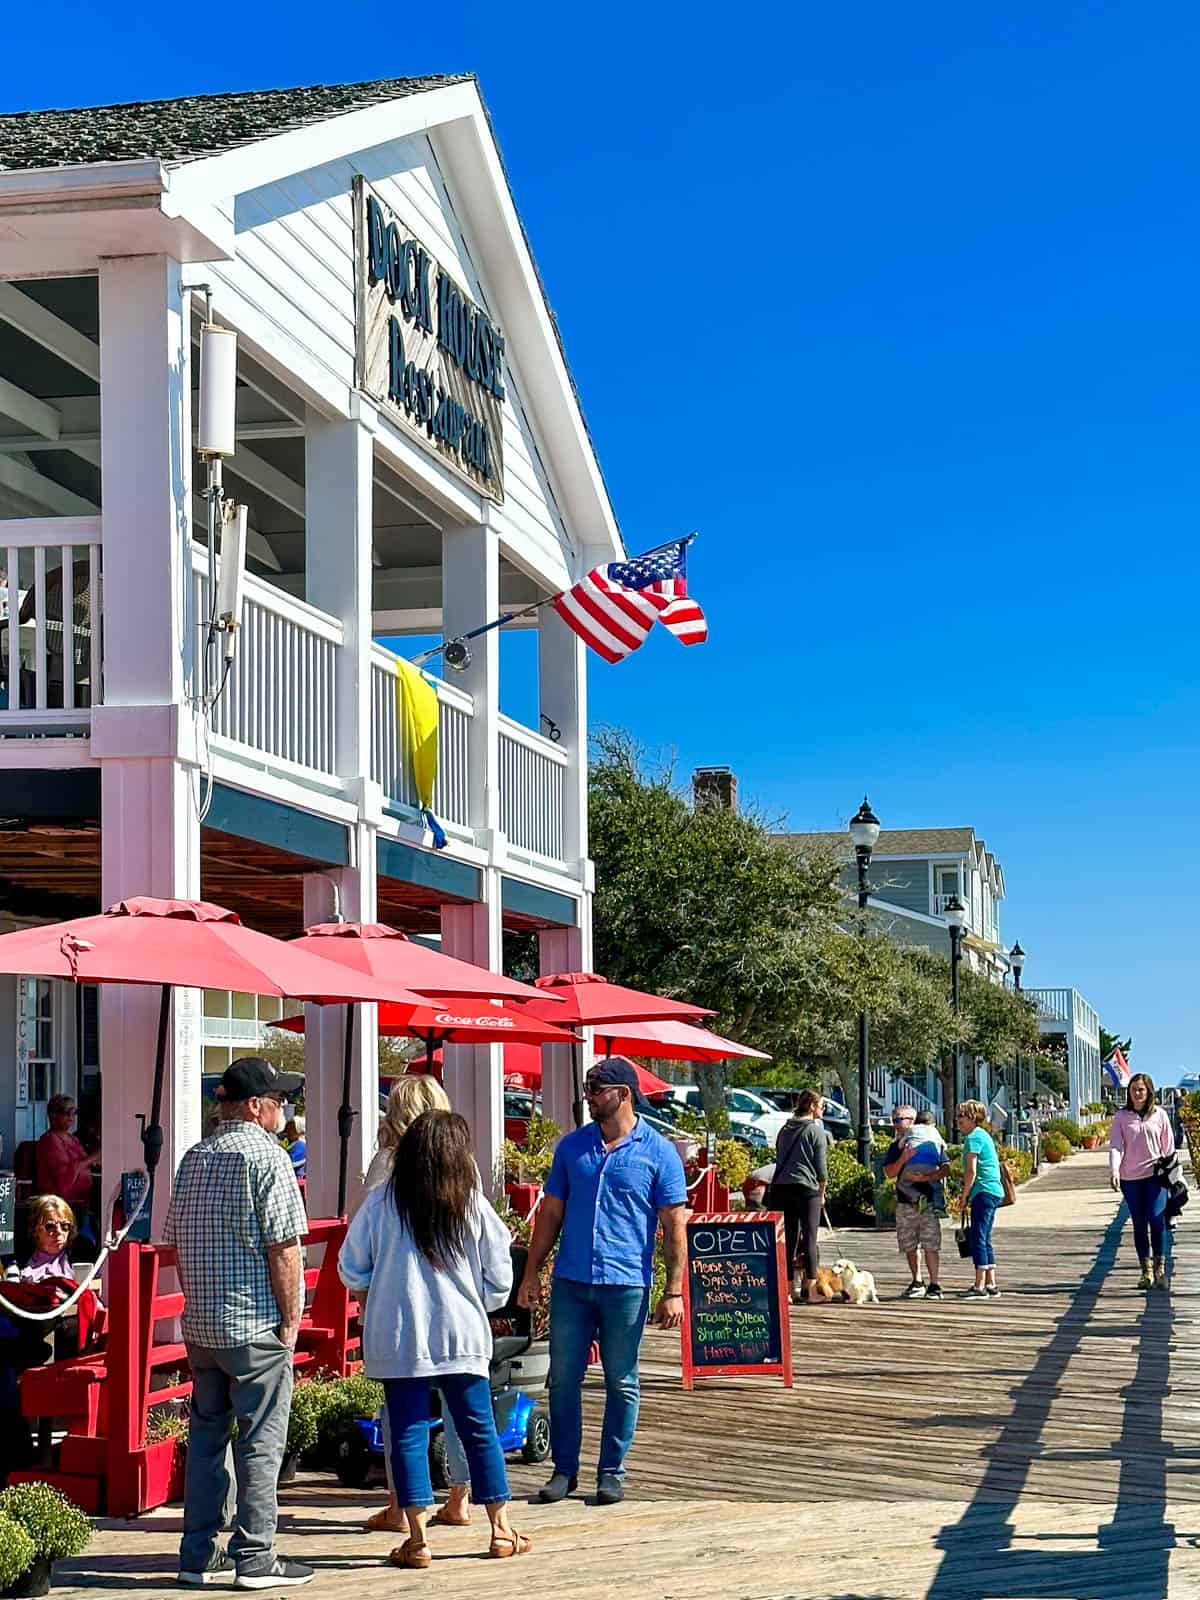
(431,356)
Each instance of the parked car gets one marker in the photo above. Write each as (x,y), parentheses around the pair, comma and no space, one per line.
(667,1108)
(744,1108)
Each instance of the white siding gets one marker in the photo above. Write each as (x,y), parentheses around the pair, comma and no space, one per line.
(296,255)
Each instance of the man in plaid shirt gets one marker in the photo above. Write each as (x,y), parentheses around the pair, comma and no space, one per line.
(235,1220)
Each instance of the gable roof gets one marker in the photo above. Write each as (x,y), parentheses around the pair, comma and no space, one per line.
(178,131)
(895,841)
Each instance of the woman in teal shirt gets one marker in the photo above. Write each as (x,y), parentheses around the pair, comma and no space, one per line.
(983,1191)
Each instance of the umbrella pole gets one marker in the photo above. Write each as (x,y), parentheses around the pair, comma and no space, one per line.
(576,1088)
(152,1133)
(345,1116)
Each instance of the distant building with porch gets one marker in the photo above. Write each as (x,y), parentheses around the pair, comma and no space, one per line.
(413,455)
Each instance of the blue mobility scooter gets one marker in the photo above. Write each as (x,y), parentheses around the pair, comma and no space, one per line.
(517,1375)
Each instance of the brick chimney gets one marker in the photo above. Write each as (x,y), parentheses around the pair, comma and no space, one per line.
(714,786)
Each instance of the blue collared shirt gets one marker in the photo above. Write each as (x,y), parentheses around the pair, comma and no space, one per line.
(611,1201)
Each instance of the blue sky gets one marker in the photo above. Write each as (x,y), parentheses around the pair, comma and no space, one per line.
(895,306)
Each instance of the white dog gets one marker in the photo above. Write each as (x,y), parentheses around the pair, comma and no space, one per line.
(857,1287)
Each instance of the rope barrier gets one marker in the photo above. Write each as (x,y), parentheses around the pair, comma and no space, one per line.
(113,1241)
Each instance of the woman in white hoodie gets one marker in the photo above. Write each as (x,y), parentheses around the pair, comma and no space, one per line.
(427,1258)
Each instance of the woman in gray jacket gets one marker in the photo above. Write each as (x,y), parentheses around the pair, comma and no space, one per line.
(427,1258)
(798,1190)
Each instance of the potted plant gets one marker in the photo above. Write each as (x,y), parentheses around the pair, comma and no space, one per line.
(55,1527)
(1056,1147)
(1090,1139)
(527,1166)
(302,1429)
(17,1554)
(170,1421)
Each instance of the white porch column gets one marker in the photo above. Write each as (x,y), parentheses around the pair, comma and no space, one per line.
(474,1073)
(338,503)
(150,839)
(565,950)
(562,696)
(470,597)
(352,891)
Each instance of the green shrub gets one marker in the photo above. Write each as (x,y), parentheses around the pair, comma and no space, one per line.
(1067,1126)
(345,1400)
(166,1422)
(56,1525)
(531,1162)
(1018,1162)
(1056,1145)
(1096,1107)
(733,1164)
(850,1189)
(308,1404)
(17,1553)
(885,1200)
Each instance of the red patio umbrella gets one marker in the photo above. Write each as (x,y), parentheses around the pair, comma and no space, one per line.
(526,1067)
(391,956)
(462,1021)
(180,943)
(590,1000)
(671,1041)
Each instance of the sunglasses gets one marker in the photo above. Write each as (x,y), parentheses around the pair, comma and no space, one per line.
(56,1227)
(597,1086)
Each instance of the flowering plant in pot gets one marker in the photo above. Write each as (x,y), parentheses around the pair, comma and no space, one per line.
(55,1527)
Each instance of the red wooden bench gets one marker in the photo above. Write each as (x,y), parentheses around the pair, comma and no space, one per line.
(105,1463)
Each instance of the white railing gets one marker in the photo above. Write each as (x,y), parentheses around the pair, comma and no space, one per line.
(280,696)
(532,782)
(1054,1005)
(900,1092)
(391,767)
(50,655)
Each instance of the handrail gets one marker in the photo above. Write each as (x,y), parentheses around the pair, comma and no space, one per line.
(532,740)
(448,693)
(280,603)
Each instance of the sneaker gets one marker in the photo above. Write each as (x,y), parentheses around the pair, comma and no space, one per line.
(915,1291)
(279,1575)
(219,1573)
(993,1293)
(934,1292)
(609,1489)
(975,1294)
(558,1488)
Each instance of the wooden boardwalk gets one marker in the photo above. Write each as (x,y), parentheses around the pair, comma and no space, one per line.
(1043,1445)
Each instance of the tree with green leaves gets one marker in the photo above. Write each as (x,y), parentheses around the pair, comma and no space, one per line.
(1113,1041)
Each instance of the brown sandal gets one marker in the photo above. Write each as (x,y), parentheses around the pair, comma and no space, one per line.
(381,1522)
(443,1521)
(505,1545)
(410,1554)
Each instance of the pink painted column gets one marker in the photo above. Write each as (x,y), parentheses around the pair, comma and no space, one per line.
(474,1073)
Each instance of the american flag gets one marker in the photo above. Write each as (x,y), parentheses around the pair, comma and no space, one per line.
(615,606)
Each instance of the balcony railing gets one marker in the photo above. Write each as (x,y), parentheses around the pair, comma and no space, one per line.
(391,766)
(50,658)
(532,785)
(280,698)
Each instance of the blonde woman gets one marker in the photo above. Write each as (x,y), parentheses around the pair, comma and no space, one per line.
(409,1098)
(982,1192)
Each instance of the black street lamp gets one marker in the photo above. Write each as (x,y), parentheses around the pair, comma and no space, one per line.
(1016,960)
(864,830)
(956,917)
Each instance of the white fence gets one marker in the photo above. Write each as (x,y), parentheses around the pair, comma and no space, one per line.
(391,767)
(50,654)
(280,697)
(532,772)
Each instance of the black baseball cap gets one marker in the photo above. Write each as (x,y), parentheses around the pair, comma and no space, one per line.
(251,1077)
(611,1071)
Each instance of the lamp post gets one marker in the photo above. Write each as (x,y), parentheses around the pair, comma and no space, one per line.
(956,917)
(864,831)
(1016,961)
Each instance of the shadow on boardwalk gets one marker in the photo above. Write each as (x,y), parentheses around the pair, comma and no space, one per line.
(984,1554)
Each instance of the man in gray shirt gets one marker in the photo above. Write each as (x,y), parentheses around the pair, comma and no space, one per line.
(798,1189)
(235,1220)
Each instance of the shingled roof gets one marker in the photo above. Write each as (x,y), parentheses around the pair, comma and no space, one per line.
(894,841)
(176,131)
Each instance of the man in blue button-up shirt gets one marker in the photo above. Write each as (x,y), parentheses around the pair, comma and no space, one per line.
(613,1181)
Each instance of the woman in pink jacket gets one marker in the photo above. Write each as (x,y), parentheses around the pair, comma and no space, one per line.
(1142,1132)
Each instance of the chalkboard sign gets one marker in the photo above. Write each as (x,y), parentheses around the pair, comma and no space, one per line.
(133,1187)
(735,1297)
(8,1213)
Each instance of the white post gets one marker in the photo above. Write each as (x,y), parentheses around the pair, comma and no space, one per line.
(350,891)
(474,1073)
(150,841)
(470,597)
(562,686)
(565,950)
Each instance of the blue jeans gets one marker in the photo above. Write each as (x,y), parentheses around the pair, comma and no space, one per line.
(469,1401)
(1147,1201)
(983,1214)
(614,1315)
(457,1470)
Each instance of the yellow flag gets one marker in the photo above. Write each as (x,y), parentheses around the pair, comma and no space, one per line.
(417,708)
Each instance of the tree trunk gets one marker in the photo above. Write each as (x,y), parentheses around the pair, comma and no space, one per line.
(947,1077)
(710,1079)
(847,1072)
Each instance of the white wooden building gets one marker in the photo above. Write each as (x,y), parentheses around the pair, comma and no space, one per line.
(369,518)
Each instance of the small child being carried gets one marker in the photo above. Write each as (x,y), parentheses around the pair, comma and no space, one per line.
(928,1154)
